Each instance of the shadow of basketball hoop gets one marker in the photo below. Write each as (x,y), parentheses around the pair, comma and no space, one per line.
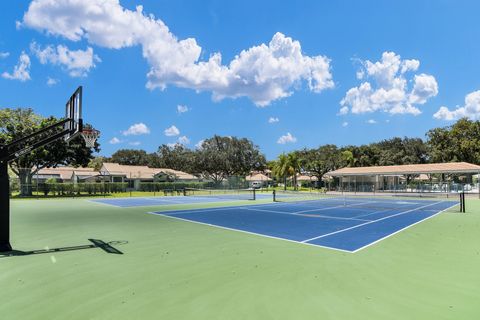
(96,243)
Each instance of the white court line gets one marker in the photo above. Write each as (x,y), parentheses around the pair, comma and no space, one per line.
(163,200)
(102,203)
(248,232)
(373,221)
(247,207)
(288,240)
(411,225)
(300,215)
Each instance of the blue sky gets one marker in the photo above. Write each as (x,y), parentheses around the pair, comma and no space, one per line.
(292,74)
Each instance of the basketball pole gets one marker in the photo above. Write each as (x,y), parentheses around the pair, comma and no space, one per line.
(4,204)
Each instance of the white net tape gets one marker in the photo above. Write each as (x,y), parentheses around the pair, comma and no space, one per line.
(90,136)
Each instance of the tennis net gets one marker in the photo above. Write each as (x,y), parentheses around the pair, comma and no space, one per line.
(369,201)
(227,194)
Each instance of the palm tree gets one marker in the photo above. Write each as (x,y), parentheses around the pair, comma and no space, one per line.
(281,168)
(294,165)
(287,165)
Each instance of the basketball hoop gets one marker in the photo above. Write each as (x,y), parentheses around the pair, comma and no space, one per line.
(90,136)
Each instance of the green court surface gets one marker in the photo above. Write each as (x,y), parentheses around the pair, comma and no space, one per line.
(171,269)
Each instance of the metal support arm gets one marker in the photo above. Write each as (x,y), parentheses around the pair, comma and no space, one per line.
(8,153)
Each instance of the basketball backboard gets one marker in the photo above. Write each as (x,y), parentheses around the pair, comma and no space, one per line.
(73,112)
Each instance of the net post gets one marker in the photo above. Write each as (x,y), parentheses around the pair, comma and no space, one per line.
(4,204)
(461,202)
(274,193)
(184,192)
(254,194)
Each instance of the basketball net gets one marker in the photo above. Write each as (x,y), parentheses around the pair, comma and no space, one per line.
(90,136)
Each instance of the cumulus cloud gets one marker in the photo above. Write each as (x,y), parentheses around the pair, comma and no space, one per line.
(77,62)
(263,73)
(345,124)
(51,82)
(288,138)
(183,140)
(182,108)
(371,121)
(136,130)
(172,131)
(21,71)
(386,88)
(273,120)
(4,55)
(114,140)
(471,109)
(199,144)
(135,143)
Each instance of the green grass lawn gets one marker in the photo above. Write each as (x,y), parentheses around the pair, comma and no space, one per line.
(172,269)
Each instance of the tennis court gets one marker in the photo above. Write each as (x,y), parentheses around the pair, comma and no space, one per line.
(340,223)
(191,196)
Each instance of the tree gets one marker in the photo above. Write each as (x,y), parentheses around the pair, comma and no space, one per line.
(17,123)
(221,157)
(459,142)
(294,164)
(281,169)
(97,162)
(176,157)
(465,138)
(130,157)
(440,145)
(324,159)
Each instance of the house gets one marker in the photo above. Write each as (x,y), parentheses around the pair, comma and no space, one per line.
(258,179)
(64,174)
(134,175)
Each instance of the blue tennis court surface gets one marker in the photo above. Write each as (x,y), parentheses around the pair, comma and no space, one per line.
(171,200)
(333,223)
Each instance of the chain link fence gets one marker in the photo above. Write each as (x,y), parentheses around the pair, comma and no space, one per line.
(41,186)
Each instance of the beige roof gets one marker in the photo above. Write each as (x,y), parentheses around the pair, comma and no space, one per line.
(451,167)
(306,178)
(136,172)
(178,174)
(66,173)
(141,172)
(257,177)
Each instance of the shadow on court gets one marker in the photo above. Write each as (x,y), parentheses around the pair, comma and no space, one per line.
(96,243)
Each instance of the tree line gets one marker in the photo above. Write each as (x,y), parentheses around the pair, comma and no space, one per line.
(219,157)
(215,159)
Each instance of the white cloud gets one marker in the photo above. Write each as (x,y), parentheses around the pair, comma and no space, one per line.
(182,108)
(21,71)
(288,138)
(387,89)
(273,120)
(135,143)
(199,144)
(345,124)
(4,55)
(172,131)
(343,110)
(115,140)
(263,73)
(471,109)
(172,145)
(371,121)
(183,140)
(77,62)
(137,129)
(425,86)
(51,81)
